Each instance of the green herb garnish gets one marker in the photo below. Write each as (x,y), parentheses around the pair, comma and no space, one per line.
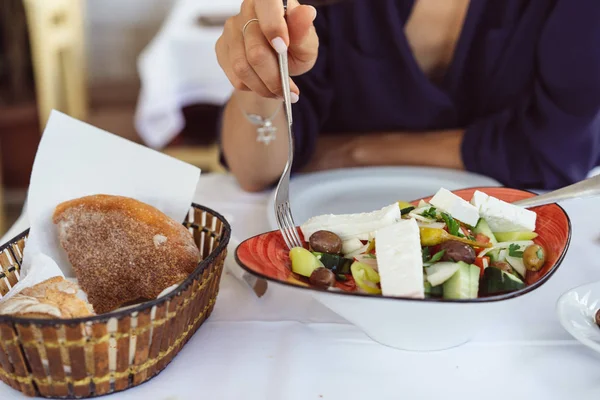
(341,277)
(452,224)
(430,213)
(437,256)
(540,253)
(514,250)
(426,254)
(370,256)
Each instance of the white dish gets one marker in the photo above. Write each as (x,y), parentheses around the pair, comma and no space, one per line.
(415,325)
(576,309)
(365,189)
(406,323)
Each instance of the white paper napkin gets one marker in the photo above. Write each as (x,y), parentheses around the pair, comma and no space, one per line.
(75,159)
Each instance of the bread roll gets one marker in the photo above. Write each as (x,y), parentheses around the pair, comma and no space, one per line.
(52,298)
(123,250)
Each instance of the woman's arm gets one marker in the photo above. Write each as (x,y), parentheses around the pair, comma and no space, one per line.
(434,149)
(246,53)
(254,164)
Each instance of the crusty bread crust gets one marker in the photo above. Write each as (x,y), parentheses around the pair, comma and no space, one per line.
(52,298)
(122,249)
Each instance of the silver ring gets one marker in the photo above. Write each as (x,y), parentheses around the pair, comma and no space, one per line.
(246,25)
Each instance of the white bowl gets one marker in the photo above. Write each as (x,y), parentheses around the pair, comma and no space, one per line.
(576,310)
(414,324)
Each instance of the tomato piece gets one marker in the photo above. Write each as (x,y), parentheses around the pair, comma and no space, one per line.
(481,238)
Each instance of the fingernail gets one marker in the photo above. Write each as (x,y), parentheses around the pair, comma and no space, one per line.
(279,45)
(315,10)
(294,97)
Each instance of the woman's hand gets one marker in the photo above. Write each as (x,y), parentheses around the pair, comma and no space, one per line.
(247,56)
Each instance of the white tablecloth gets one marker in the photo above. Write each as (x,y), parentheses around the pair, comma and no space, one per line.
(180,68)
(288,346)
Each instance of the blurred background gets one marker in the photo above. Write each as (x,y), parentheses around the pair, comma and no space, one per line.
(141,69)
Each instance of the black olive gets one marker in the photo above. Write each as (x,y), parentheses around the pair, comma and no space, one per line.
(322,278)
(456,251)
(325,242)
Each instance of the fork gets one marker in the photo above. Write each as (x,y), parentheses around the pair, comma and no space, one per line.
(587,188)
(283,212)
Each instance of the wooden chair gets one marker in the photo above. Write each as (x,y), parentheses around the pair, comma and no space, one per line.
(56,35)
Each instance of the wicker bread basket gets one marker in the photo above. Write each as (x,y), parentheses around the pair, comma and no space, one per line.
(108,353)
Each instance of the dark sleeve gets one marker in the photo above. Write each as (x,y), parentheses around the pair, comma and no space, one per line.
(316,94)
(551,137)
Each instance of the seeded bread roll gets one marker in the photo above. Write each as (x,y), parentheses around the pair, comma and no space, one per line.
(123,250)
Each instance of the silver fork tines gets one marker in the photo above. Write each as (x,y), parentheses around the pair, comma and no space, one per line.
(285,221)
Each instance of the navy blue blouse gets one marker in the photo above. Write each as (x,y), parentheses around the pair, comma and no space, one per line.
(524,83)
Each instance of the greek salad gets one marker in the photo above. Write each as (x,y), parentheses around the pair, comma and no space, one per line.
(446,248)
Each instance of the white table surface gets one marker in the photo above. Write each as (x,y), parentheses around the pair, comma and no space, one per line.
(288,346)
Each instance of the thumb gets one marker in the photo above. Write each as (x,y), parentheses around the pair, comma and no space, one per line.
(304,43)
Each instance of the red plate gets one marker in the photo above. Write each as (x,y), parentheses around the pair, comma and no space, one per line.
(266,255)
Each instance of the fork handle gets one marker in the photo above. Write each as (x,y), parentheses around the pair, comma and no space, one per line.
(285,77)
(285,83)
(587,188)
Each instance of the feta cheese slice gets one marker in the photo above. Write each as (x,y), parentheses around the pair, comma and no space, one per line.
(505,217)
(399,259)
(349,226)
(458,208)
(478,199)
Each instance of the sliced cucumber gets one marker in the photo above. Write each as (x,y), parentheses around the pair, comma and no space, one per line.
(475,273)
(515,236)
(484,229)
(496,281)
(426,287)
(433,291)
(440,272)
(337,264)
(461,285)
(303,261)
(517,264)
